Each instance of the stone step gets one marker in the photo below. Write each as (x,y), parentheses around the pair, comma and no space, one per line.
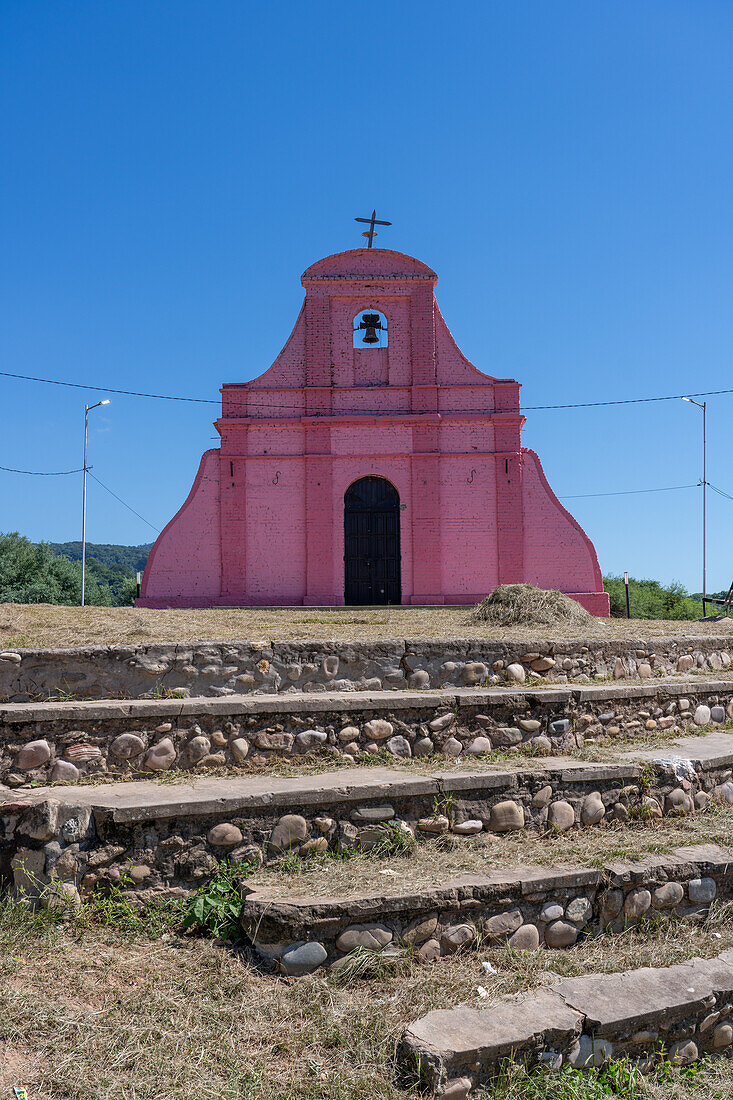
(686,1009)
(65,741)
(529,907)
(221,668)
(175,833)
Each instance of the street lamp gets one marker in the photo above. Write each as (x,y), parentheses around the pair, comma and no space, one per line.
(87,409)
(703,406)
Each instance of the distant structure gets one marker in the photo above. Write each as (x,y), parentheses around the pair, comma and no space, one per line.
(371,464)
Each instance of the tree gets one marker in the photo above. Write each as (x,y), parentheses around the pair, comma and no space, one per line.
(31,573)
(651,600)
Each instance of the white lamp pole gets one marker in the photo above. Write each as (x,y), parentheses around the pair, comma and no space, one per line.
(703,406)
(87,409)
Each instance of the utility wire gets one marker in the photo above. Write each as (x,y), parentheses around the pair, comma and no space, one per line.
(625,401)
(273,405)
(43,473)
(109,389)
(720,492)
(629,492)
(129,508)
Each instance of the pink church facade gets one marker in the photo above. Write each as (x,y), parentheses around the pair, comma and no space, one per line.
(371,463)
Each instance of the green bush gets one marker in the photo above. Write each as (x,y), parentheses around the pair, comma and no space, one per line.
(216,907)
(651,600)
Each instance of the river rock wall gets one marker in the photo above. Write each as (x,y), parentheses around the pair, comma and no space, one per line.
(232,668)
(66,742)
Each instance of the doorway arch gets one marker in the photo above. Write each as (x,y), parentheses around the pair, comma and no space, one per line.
(372,573)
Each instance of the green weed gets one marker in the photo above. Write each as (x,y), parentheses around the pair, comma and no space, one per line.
(647,776)
(216,907)
(444,805)
(395,840)
(160,692)
(621,1080)
(113,907)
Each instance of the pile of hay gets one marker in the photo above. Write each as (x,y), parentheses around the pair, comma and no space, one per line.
(525,605)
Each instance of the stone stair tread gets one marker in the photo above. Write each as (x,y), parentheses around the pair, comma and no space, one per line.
(362,782)
(466,1030)
(525,879)
(254,703)
(461,1047)
(707,749)
(631,999)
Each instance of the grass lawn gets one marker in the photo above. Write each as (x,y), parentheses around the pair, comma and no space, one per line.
(113,1004)
(90,1011)
(40,625)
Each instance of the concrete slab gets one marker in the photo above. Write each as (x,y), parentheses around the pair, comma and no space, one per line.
(711,749)
(616,1003)
(143,800)
(462,1036)
(351,701)
(634,1006)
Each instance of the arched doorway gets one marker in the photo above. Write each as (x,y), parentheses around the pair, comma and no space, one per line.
(372,542)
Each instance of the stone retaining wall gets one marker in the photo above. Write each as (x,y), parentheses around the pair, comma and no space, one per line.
(63,742)
(228,668)
(170,840)
(528,908)
(680,1012)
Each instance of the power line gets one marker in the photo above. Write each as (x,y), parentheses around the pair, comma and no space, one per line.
(108,389)
(249,404)
(720,492)
(630,492)
(625,401)
(124,502)
(42,473)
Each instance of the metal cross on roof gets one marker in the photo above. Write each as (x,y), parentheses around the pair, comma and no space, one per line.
(371,222)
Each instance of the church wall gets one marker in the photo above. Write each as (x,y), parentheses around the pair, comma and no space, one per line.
(270,439)
(288,369)
(374,399)
(238,401)
(468,547)
(264,521)
(275,523)
(466,399)
(557,552)
(466,436)
(372,438)
(184,567)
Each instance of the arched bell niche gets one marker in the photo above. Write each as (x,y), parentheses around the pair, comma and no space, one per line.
(370,329)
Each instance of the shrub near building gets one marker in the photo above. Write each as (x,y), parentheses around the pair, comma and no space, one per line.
(651,600)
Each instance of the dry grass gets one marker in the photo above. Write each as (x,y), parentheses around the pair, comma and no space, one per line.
(89,1014)
(433,862)
(41,625)
(525,605)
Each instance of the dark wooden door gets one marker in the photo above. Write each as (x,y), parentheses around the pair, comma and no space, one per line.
(372,542)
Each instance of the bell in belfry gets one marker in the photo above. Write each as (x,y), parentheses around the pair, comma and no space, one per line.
(370,322)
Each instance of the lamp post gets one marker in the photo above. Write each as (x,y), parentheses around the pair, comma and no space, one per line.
(87,410)
(703,406)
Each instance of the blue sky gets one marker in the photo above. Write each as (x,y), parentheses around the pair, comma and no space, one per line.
(170,169)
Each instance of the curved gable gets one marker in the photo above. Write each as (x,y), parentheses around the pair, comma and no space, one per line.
(377,262)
